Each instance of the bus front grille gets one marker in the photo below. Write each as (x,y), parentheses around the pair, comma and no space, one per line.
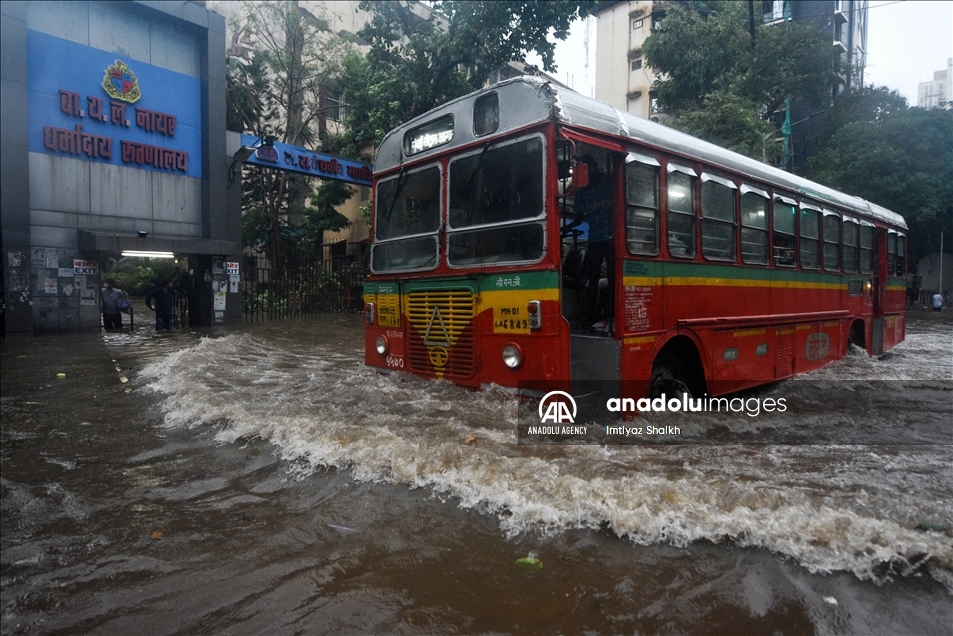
(443,324)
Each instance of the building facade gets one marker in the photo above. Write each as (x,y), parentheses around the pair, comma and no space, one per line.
(625,81)
(113,141)
(939,92)
(622,77)
(845,21)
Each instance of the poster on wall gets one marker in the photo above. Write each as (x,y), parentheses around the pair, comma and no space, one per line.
(16,258)
(19,280)
(219,301)
(87,297)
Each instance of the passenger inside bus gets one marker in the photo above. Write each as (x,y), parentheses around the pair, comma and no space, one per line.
(593,204)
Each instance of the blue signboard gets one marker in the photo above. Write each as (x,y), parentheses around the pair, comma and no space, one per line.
(93,105)
(303,161)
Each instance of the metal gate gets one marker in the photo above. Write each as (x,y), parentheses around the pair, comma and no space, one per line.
(314,285)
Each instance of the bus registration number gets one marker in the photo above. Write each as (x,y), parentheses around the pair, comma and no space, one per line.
(510,320)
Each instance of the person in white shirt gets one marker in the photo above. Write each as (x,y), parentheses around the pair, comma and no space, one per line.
(112,314)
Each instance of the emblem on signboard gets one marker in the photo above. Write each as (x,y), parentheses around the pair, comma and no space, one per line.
(121,83)
(267,153)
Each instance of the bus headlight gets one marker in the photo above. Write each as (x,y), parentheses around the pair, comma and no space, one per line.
(381,345)
(512,356)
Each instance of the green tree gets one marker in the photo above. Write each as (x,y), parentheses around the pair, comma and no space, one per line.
(719,83)
(417,63)
(900,158)
(281,60)
(870,104)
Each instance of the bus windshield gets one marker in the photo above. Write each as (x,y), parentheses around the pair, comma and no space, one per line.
(408,205)
(496,204)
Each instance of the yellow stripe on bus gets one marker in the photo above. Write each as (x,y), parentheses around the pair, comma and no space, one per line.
(638,339)
(509,297)
(750,332)
(640,281)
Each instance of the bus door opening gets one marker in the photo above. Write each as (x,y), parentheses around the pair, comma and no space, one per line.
(879,289)
(587,220)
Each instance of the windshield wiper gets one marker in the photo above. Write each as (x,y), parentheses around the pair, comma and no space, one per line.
(466,186)
(400,186)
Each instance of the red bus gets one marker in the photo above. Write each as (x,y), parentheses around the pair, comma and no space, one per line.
(715,272)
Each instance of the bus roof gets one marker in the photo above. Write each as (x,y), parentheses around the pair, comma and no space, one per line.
(527,100)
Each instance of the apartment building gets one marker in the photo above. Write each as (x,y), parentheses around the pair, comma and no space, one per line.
(939,92)
(624,80)
(622,77)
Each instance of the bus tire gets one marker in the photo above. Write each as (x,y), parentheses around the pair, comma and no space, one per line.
(668,377)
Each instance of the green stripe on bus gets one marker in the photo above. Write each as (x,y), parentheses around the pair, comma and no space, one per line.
(496,281)
(657,269)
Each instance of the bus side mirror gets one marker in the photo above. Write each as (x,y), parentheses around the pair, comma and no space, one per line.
(580,175)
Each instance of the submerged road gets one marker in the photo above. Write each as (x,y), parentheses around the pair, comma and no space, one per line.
(263,481)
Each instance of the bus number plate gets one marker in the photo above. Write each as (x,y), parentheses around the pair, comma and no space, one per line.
(510,320)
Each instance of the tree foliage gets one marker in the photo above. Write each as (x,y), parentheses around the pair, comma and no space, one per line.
(720,84)
(280,62)
(870,104)
(898,157)
(415,63)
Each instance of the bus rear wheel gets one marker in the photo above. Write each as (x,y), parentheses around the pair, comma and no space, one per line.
(668,378)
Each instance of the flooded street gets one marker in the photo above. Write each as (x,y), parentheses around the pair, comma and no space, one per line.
(262,480)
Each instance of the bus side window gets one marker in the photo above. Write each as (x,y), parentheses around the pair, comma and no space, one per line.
(681,214)
(851,230)
(642,210)
(718,220)
(831,242)
(891,253)
(784,242)
(754,229)
(866,249)
(901,271)
(810,236)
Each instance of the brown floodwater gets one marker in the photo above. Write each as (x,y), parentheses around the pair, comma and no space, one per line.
(260,480)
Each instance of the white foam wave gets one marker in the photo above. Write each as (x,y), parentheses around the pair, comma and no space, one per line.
(829,508)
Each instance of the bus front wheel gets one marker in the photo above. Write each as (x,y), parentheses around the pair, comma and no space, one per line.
(668,377)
